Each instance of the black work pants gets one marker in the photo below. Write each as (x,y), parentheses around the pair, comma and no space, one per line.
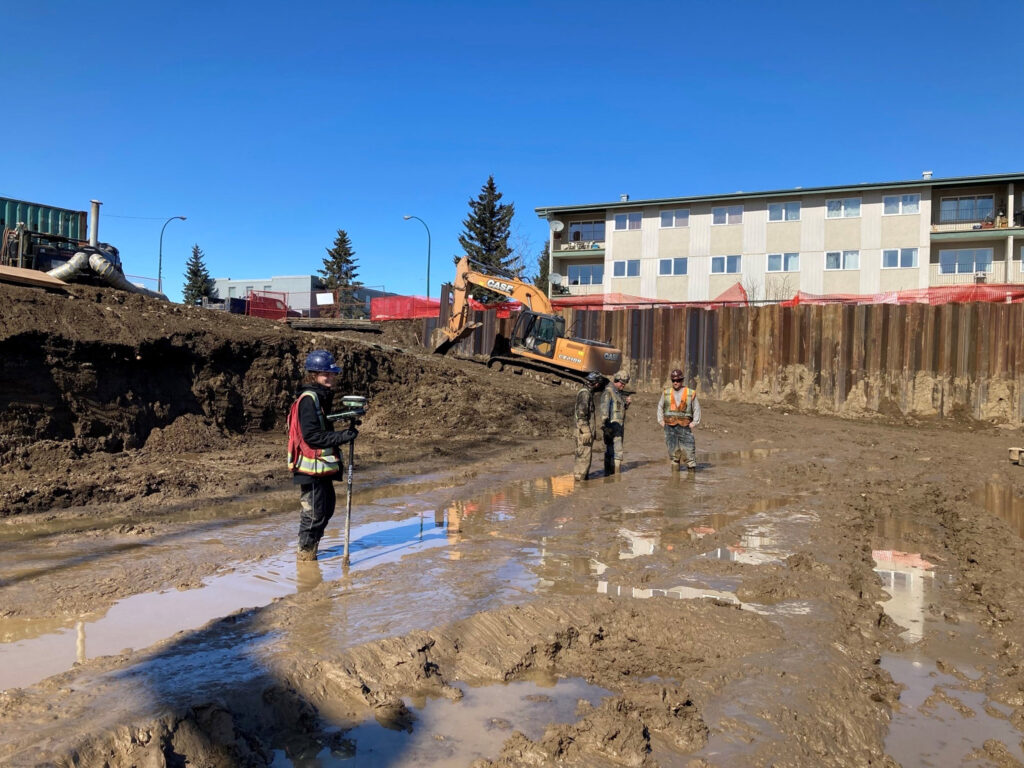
(317,501)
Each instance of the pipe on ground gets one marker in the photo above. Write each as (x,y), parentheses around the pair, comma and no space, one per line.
(94,259)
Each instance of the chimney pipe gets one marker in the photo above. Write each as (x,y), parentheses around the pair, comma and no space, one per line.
(623,198)
(94,229)
(926,174)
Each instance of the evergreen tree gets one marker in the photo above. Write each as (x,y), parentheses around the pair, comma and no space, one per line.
(485,237)
(543,273)
(197,279)
(339,275)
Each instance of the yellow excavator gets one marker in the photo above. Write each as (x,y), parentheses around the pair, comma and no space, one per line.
(538,339)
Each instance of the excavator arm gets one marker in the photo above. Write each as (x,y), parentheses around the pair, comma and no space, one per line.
(458,326)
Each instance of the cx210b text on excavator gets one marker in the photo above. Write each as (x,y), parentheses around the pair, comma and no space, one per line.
(538,339)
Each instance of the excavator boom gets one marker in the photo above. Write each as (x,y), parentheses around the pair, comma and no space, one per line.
(538,335)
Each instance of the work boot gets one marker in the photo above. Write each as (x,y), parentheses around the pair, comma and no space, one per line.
(579,477)
(674,464)
(609,468)
(306,553)
(691,465)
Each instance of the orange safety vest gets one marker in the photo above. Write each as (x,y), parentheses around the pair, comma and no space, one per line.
(302,458)
(675,414)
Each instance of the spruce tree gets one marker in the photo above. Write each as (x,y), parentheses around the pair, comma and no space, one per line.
(197,279)
(543,272)
(485,237)
(339,274)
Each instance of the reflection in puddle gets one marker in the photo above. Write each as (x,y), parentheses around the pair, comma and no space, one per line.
(940,720)
(757,547)
(1002,500)
(906,578)
(455,733)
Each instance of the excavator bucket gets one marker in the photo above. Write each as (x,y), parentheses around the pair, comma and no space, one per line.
(443,342)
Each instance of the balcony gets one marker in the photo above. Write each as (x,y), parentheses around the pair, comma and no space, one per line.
(578,248)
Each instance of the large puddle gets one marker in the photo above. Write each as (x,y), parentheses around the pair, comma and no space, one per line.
(428,518)
(944,716)
(451,734)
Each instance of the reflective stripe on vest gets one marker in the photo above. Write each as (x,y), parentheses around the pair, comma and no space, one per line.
(302,458)
(675,414)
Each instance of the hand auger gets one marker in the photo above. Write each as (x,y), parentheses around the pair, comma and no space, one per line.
(355,406)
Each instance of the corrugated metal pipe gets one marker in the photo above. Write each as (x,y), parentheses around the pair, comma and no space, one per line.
(96,260)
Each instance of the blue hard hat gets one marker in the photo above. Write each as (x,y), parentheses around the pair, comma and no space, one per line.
(321,361)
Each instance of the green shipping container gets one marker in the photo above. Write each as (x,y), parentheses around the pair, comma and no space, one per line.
(44,219)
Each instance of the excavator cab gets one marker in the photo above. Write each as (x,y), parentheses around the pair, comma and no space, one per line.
(536,333)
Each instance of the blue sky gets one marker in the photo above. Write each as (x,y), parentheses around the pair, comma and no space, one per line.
(272,125)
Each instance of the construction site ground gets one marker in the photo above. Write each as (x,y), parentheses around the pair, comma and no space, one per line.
(819,592)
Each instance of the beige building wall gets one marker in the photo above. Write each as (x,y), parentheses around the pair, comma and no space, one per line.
(673,287)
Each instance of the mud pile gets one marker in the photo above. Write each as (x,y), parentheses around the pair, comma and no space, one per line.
(99,372)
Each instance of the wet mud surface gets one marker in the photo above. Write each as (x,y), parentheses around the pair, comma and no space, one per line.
(819,592)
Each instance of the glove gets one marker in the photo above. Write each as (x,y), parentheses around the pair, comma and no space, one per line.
(608,432)
(348,435)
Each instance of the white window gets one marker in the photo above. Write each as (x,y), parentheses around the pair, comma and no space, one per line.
(672,266)
(842,208)
(586,231)
(965,261)
(628,220)
(727,214)
(630,268)
(842,260)
(899,258)
(677,218)
(966,208)
(725,265)
(784,211)
(586,274)
(231,291)
(894,205)
(783,262)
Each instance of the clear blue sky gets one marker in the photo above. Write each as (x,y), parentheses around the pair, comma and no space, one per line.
(272,125)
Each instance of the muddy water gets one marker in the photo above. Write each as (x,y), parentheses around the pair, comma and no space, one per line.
(944,715)
(452,734)
(1001,499)
(426,516)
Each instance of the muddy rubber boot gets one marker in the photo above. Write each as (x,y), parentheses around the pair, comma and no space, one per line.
(306,554)
(609,468)
(691,466)
(618,467)
(674,465)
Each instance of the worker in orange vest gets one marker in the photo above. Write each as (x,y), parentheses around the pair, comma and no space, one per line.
(678,411)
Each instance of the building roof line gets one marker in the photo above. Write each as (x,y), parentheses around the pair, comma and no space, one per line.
(546,211)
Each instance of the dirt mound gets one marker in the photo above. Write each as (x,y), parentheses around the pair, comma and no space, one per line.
(97,371)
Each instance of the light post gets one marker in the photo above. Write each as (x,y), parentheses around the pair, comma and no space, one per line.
(421,221)
(160,263)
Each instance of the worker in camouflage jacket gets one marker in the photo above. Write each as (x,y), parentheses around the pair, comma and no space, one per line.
(612,415)
(584,424)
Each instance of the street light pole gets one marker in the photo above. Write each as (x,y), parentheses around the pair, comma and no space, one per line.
(421,221)
(160,263)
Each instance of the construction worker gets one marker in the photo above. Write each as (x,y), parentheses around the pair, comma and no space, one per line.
(612,413)
(584,428)
(313,455)
(678,411)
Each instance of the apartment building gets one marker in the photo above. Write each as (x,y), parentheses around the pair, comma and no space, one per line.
(856,239)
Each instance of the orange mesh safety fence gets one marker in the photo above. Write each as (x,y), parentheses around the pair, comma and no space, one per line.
(403,308)
(943,294)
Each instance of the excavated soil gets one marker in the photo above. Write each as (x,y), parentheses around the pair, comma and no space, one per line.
(820,592)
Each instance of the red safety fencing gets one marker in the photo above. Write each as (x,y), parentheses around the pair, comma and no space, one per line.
(268,304)
(403,308)
(944,294)
(735,296)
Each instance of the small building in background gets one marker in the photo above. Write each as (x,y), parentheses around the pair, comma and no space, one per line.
(305,295)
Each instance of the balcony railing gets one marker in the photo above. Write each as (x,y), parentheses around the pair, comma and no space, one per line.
(966,225)
(580,246)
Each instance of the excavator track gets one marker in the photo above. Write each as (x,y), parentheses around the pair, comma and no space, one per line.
(549,374)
